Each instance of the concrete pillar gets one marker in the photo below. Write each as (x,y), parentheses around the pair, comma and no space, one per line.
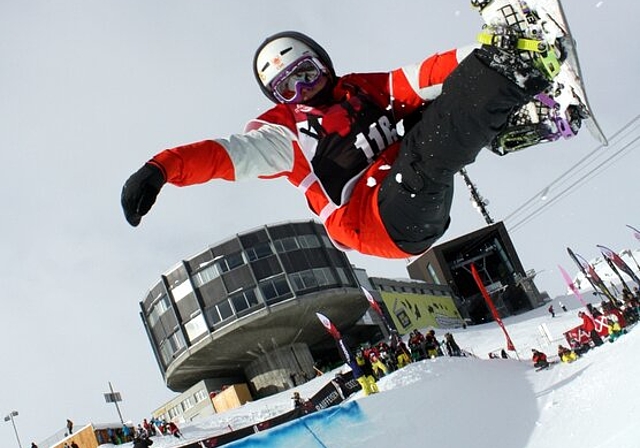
(276,371)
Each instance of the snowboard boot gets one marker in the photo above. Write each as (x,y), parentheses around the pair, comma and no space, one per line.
(530,51)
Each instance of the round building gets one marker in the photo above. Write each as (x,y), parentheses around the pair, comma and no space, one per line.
(244,309)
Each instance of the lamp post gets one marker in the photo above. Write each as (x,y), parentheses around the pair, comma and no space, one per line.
(10,418)
(114,397)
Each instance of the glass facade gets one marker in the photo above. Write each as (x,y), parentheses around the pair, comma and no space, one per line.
(233,279)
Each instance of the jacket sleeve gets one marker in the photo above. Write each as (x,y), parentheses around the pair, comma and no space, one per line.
(413,85)
(264,151)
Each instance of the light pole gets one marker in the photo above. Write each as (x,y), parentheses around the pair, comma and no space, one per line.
(10,418)
(114,397)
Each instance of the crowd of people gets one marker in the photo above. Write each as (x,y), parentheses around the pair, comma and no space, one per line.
(609,321)
(140,435)
(376,361)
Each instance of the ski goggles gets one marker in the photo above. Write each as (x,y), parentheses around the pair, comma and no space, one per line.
(304,73)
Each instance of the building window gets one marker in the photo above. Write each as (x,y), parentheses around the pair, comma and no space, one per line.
(229,262)
(342,275)
(186,404)
(244,300)
(206,275)
(162,305)
(275,289)
(212,315)
(200,396)
(196,327)
(327,242)
(224,308)
(286,244)
(258,251)
(303,280)
(218,312)
(325,276)
(308,241)
(170,346)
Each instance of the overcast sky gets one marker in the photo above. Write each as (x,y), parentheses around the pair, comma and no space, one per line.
(89,90)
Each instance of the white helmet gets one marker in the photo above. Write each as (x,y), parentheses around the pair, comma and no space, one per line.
(281,51)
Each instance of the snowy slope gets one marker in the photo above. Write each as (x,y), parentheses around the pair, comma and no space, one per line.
(462,402)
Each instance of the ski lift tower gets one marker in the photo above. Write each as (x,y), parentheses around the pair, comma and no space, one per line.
(479,202)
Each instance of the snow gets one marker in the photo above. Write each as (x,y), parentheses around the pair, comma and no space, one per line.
(473,401)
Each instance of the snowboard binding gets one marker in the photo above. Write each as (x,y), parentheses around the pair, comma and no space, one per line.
(515,28)
(539,121)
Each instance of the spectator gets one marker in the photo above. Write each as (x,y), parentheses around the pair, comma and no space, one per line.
(503,354)
(112,436)
(69,427)
(148,427)
(379,368)
(578,347)
(615,331)
(589,327)
(33,445)
(564,308)
(539,359)
(126,433)
(174,430)
(402,356)
(551,311)
(451,345)
(593,310)
(301,404)
(142,442)
(363,373)
(566,355)
(74,444)
(431,344)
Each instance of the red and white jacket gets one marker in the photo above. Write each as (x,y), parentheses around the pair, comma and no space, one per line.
(336,155)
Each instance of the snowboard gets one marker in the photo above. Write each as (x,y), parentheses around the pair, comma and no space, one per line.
(547,367)
(562,109)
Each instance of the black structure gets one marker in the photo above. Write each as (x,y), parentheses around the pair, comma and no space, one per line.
(490,248)
(244,310)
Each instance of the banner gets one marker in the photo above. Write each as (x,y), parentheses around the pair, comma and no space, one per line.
(492,307)
(592,276)
(376,307)
(636,232)
(344,351)
(328,325)
(572,286)
(619,262)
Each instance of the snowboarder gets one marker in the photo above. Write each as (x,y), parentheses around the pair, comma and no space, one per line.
(335,137)
(551,311)
(539,359)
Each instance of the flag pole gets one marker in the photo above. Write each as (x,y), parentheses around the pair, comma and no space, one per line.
(492,308)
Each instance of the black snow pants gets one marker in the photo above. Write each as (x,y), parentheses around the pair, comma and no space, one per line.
(415,198)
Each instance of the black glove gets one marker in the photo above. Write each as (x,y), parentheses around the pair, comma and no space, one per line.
(140,191)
